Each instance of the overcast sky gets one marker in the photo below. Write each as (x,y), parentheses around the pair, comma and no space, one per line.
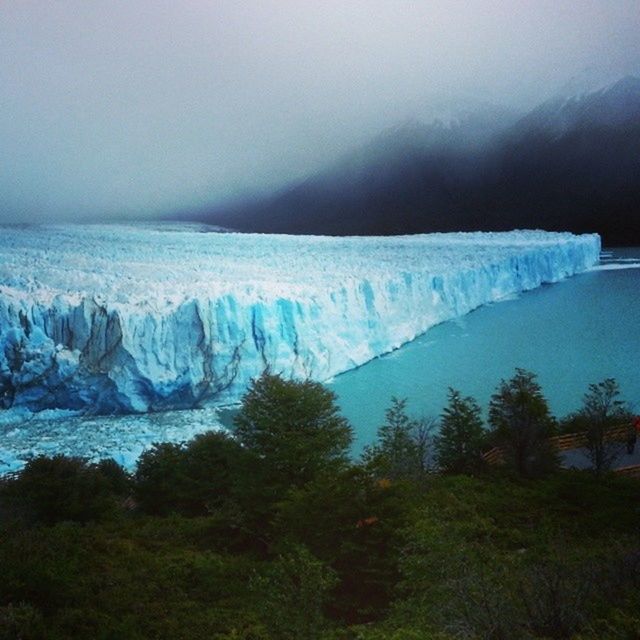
(137,107)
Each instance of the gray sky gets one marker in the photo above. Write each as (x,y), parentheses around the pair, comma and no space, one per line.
(133,107)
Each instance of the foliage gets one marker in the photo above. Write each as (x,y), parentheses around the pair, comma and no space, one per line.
(295,428)
(352,522)
(249,541)
(601,410)
(143,578)
(192,479)
(20,622)
(292,592)
(494,558)
(401,449)
(461,439)
(60,488)
(559,553)
(522,423)
(159,472)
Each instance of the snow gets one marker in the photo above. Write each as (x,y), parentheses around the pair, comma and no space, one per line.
(120,319)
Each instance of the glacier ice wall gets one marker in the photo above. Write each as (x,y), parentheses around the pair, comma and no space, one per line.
(138,318)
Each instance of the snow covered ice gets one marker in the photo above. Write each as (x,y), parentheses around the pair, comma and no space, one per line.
(140,318)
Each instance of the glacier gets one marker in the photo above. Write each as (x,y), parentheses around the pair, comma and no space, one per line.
(112,319)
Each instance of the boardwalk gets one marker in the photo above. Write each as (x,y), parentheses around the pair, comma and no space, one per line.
(579,458)
(575,455)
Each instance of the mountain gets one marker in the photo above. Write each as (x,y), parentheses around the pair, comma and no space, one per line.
(570,164)
(617,105)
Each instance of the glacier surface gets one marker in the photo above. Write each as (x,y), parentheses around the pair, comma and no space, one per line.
(124,319)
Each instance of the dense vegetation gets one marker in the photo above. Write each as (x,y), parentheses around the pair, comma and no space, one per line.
(274,533)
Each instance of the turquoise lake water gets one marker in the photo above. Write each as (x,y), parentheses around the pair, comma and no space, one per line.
(571,333)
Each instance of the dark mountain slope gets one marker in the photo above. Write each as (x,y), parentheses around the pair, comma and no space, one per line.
(569,164)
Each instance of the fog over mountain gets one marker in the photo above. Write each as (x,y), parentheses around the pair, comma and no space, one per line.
(146,108)
(570,163)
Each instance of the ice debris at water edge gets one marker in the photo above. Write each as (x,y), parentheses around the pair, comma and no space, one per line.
(24,435)
(117,319)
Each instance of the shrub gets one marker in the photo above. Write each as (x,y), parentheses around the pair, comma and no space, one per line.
(192,479)
(291,593)
(50,490)
(353,522)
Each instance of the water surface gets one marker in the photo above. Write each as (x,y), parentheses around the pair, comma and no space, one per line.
(571,333)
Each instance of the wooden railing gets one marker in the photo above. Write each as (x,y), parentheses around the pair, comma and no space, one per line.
(494,456)
(632,471)
(565,442)
(578,440)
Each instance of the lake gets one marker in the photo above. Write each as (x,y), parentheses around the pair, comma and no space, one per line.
(572,333)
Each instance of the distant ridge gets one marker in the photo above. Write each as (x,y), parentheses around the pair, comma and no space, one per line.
(570,164)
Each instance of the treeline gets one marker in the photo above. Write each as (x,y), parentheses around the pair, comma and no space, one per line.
(274,532)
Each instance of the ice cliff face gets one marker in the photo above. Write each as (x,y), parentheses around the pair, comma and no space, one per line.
(134,319)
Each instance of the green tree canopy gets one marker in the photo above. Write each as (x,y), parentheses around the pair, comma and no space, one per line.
(602,403)
(353,522)
(400,448)
(522,424)
(192,479)
(602,409)
(294,427)
(62,488)
(461,438)
(292,593)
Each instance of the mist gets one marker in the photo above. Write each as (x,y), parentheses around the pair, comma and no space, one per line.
(134,109)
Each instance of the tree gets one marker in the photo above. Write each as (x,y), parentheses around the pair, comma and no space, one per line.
(401,446)
(294,428)
(522,424)
(601,410)
(460,441)
(191,479)
(157,476)
(422,434)
(60,488)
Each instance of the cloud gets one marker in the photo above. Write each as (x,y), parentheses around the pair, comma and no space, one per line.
(135,108)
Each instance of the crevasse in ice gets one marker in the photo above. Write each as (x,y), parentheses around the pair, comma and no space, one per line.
(142,318)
